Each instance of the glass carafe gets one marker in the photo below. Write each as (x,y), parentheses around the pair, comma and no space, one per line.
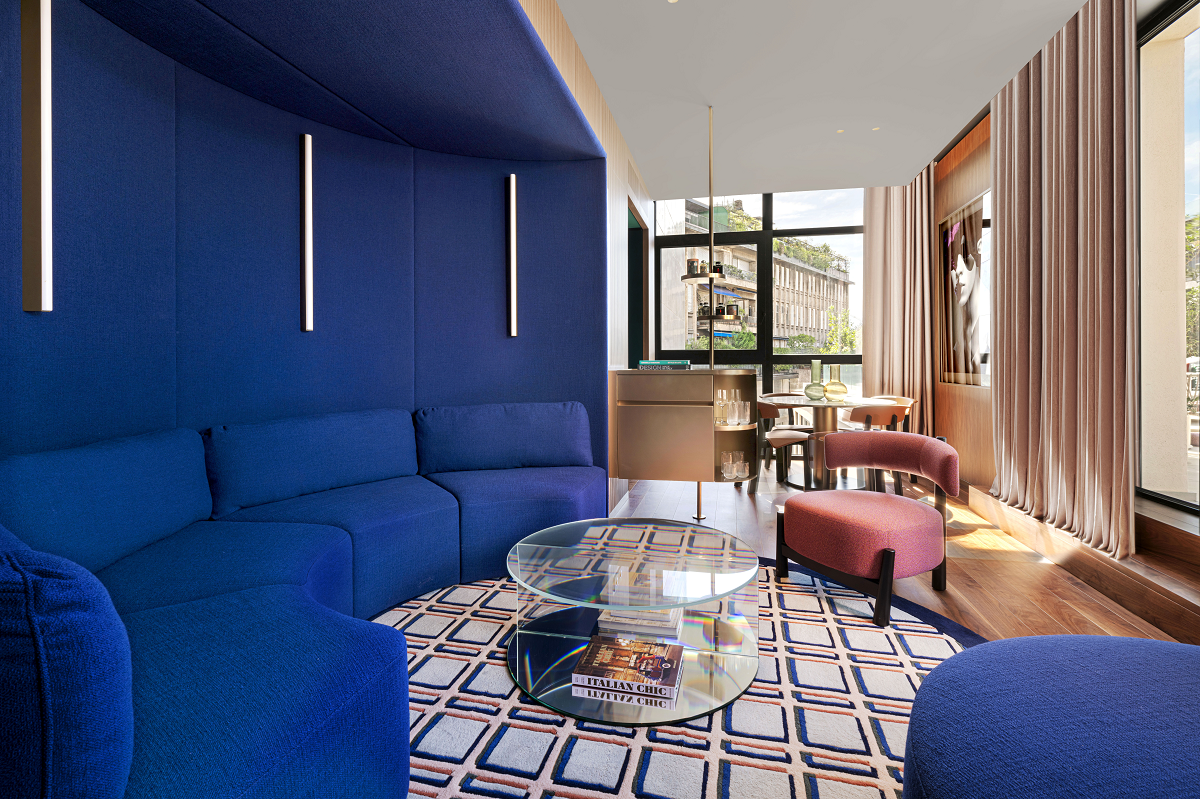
(835,389)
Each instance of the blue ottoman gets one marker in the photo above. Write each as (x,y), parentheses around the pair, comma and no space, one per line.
(1058,716)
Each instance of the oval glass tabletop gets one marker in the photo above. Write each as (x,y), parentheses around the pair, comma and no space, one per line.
(633,563)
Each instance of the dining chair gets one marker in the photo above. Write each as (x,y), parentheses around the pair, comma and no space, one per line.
(906,427)
(791,410)
(883,417)
(777,441)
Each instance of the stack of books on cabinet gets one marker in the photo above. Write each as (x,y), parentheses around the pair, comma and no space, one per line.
(664,366)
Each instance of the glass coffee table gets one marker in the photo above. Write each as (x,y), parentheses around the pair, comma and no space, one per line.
(702,582)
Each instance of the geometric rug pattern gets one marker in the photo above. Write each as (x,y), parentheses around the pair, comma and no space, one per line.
(826,717)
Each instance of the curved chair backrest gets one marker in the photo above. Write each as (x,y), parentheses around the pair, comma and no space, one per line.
(767,411)
(897,399)
(904,452)
(880,415)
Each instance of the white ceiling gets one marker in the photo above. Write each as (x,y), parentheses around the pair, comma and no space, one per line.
(784,76)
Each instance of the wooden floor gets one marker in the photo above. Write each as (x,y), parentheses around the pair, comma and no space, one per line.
(998,587)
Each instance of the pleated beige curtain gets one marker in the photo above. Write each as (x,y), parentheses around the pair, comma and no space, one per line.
(1063,144)
(898,263)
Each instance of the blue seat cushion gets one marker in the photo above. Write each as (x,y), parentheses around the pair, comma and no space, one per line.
(266,693)
(500,507)
(66,703)
(1058,716)
(210,558)
(404,533)
(252,464)
(98,503)
(473,437)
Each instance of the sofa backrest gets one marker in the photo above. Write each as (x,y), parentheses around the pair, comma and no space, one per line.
(473,437)
(98,503)
(253,464)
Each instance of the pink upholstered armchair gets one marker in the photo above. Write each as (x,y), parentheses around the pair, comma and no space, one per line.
(867,539)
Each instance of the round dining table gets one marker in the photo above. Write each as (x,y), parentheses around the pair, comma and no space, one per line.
(825,420)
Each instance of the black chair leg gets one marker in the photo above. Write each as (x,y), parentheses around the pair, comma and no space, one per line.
(780,468)
(939,577)
(781,561)
(806,452)
(883,602)
(898,479)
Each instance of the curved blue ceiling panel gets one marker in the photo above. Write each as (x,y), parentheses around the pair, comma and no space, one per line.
(469,78)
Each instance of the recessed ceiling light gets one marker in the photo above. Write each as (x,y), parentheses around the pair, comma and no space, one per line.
(841,131)
(874,128)
(672,1)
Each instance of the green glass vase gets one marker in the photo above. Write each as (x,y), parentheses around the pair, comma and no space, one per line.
(814,390)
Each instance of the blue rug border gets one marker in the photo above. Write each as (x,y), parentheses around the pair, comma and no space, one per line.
(963,635)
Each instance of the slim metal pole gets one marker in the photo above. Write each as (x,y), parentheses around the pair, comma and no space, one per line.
(712,296)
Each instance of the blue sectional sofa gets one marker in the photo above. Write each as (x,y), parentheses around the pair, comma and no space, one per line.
(184,612)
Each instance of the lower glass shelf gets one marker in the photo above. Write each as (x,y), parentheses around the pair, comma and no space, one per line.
(720,661)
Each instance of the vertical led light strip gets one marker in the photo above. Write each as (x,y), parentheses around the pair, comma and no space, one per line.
(307,192)
(37,197)
(512,254)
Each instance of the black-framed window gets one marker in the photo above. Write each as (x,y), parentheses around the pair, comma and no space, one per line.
(793,271)
(1168,355)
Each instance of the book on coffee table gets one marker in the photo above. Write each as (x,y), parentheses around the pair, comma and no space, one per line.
(629,666)
(621,697)
(660,623)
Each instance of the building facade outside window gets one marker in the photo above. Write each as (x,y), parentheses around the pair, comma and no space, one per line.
(796,287)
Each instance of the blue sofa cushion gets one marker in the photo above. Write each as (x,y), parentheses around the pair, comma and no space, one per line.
(265,693)
(404,532)
(252,464)
(98,503)
(66,703)
(210,558)
(497,508)
(1058,716)
(474,437)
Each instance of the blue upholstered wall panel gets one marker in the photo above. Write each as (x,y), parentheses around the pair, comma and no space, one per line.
(242,354)
(177,257)
(463,353)
(102,364)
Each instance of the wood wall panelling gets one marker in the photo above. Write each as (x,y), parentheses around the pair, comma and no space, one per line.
(963,414)
(966,171)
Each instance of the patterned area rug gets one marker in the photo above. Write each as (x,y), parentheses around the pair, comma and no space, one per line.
(827,716)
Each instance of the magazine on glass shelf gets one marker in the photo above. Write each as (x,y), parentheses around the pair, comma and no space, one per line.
(629,666)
